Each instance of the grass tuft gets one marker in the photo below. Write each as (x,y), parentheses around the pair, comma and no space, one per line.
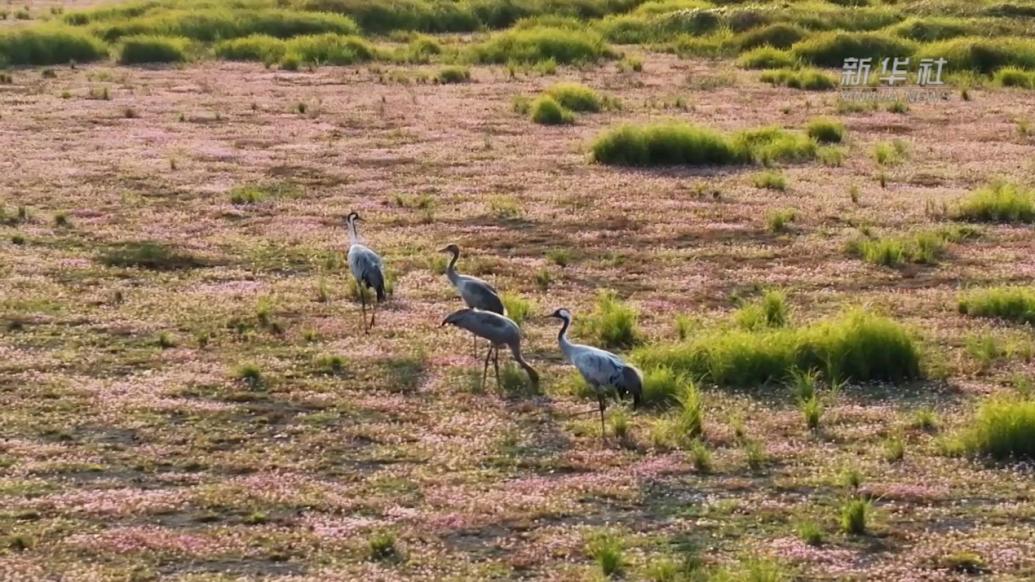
(1004,203)
(766,57)
(606,549)
(1002,428)
(50,45)
(452,75)
(547,111)
(576,97)
(855,345)
(149,255)
(530,46)
(826,130)
(807,79)
(854,516)
(612,323)
(153,49)
(1009,303)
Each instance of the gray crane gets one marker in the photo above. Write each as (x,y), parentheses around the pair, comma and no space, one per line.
(476,293)
(500,331)
(601,369)
(366,268)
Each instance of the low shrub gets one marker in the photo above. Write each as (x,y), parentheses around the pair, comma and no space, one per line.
(256,47)
(1008,303)
(449,75)
(152,49)
(49,45)
(826,130)
(1002,428)
(807,79)
(576,97)
(1002,202)
(830,49)
(766,57)
(535,45)
(855,345)
(547,111)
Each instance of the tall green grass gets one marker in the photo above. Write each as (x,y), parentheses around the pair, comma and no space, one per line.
(808,79)
(331,49)
(257,47)
(855,345)
(1002,428)
(209,24)
(982,55)
(153,49)
(1014,77)
(545,110)
(826,130)
(830,49)
(766,57)
(677,143)
(576,97)
(49,45)
(612,323)
(780,35)
(536,45)
(998,203)
(925,247)
(1009,303)
(931,29)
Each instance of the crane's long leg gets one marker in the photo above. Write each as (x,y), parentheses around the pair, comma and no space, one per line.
(496,363)
(373,313)
(603,437)
(475,346)
(485,369)
(363,304)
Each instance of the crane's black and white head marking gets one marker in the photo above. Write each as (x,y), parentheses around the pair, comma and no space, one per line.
(562,314)
(352,216)
(450,248)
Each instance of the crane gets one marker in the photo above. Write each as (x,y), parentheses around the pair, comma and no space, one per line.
(500,331)
(601,369)
(367,269)
(476,293)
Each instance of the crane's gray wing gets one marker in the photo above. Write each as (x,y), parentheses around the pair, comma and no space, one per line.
(480,295)
(598,367)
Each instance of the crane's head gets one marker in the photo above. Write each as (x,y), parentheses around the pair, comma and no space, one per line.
(352,216)
(562,314)
(455,317)
(450,248)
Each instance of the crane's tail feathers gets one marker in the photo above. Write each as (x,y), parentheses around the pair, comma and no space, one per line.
(376,280)
(632,382)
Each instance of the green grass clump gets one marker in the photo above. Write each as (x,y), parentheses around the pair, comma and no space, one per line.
(826,130)
(890,153)
(49,45)
(546,110)
(153,49)
(382,547)
(250,374)
(330,49)
(1014,77)
(1009,303)
(854,516)
(1002,428)
(830,49)
(982,55)
(1004,203)
(576,97)
(664,144)
(770,311)
(536,45)
(256,47)
(855,345)
(518,308)
(662,386)
(606,550)
(206,23)
(931,29)
(925,247)
(807,79)
(780,35)
(612,323)
(454,74)
(766,145)
(770,180)
(777,220)
(149,255)
(766,57)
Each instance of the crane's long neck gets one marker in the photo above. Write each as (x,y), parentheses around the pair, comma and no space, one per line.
(451,273)
(353,232)
(562,337)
